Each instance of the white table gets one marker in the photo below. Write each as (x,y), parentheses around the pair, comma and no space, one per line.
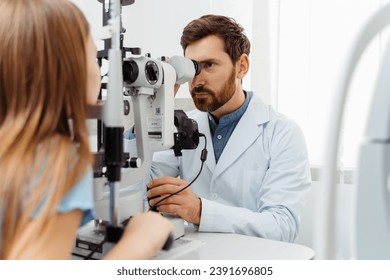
(224,246)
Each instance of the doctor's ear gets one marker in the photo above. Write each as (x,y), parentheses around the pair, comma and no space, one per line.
(242,65)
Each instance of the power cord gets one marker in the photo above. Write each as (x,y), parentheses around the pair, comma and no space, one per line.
(203,157)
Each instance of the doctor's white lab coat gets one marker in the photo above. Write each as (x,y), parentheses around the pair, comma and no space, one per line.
(259,184)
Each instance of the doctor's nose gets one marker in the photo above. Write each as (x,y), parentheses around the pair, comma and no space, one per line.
(198,80)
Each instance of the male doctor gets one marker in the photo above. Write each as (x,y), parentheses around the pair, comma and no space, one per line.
(257,172)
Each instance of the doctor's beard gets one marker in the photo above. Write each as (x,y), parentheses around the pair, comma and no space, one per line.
(209,100)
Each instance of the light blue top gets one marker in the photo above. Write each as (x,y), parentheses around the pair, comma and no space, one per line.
(80,197)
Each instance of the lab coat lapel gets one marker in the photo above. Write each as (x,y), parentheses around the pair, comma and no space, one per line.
(204,127)
(246,132)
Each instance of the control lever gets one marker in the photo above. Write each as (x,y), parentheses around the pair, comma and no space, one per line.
(168,243)
(114,233)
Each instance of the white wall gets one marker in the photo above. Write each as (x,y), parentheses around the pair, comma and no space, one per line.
(153,25)
(156,26)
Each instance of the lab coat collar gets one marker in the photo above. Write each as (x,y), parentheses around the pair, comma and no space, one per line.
(204,127)
(248,129)
(249,125)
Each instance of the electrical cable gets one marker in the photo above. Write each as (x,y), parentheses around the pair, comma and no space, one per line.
(203,158)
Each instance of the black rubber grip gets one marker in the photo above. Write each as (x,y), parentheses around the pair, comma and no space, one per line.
(168,243)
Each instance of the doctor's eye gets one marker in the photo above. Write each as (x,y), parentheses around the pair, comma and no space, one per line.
(208,64)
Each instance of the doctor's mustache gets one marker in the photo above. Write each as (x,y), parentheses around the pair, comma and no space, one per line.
(201,89)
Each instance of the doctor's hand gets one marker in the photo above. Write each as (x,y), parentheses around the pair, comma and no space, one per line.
(185,204)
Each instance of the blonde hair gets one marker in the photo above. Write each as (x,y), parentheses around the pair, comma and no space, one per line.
(44,141)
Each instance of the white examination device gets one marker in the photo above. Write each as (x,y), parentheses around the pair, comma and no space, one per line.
(150,83)
(373,184)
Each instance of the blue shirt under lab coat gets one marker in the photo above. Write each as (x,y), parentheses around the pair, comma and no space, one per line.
(223,128)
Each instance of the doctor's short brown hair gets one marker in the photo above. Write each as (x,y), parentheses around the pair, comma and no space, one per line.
(236,42)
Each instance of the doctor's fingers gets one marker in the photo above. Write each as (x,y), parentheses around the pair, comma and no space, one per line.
(173,209)
(189,211)
(185,198)
(165,181)
(174,199)
(164,189)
